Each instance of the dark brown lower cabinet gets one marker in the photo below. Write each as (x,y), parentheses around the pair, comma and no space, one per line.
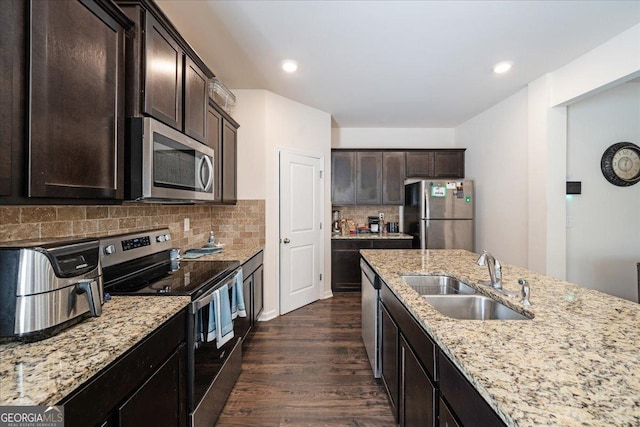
(389,343)
(345,260)
(159,401)
(417,401)
(146,386)
(424,387)
(446,417)
(465,402)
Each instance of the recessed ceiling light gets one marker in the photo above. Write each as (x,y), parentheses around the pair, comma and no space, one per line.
(290,66)
(502,67)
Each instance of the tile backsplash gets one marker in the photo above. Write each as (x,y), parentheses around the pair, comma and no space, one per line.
(239,224)
(360,214)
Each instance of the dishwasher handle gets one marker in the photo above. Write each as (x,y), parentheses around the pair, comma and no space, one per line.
(368,271)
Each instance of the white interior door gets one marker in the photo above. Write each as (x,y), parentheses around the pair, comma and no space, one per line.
(301,195)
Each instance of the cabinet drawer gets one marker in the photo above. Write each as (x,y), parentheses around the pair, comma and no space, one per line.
(421,343)
(392,244)
(467,404)
(353,244)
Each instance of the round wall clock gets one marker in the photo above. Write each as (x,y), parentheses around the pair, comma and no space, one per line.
(620,164)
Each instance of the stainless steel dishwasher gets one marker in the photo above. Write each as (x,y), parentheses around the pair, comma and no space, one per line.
(371,316)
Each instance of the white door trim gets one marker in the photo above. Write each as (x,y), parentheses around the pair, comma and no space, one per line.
(276,243)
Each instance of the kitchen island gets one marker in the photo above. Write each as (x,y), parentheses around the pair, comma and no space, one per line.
(574,363)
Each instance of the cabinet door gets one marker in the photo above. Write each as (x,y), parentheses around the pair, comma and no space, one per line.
(196,100)
(389,343)
(163,75)
(345,264)
(448,164)
(417,393)
(419,164)
(214,140)
(76,107)
(12,70)
(343,178)
(257,301)
(445,417)
(393,172)
(229,148)
(368,178)
(161,400)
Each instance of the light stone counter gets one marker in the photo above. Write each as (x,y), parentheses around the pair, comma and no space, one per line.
(43,372)
(375,236)
(240,253)
(576,363)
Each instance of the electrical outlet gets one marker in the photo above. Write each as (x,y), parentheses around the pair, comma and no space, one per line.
(381,216)
(186,224)
(569,222)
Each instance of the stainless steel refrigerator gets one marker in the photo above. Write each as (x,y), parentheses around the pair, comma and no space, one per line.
(439,213)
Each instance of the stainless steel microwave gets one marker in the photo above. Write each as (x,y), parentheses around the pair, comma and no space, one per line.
(164,165)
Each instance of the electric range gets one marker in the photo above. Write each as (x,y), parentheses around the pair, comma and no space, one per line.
(139,264)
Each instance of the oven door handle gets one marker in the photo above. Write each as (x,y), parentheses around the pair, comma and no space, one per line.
(205,162)
(200,302)
(207,298)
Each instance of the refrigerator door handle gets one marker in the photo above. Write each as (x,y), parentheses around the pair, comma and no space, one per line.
(424,223)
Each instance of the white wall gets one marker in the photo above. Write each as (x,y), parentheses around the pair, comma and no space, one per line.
(603,243)
(496,158)
(269,122)
(392,138)
(251,113)
(545,143)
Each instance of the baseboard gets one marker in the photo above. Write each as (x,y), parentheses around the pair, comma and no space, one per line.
(268,315)
(327,294)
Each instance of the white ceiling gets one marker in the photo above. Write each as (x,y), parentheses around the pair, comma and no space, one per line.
(395,63)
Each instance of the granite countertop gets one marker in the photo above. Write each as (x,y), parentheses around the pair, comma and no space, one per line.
(575,363)
(43,372)
(240,253)
(372,236)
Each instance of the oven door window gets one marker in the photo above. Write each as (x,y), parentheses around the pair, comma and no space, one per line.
(178,166)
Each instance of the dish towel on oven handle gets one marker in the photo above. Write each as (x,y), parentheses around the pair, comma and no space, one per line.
(237,297)
(220,322)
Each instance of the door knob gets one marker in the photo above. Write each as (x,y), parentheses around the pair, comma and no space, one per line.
(286,240)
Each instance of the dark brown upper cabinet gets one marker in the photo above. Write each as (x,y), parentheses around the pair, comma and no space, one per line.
(166,79)
(343,178)
(76,100)
(435,163)
(222,137)
(164,62)
(196,86)
(368,178)
(12,88)
(393,173)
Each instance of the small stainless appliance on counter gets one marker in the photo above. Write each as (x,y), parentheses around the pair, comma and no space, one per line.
(47,286)
(140,264)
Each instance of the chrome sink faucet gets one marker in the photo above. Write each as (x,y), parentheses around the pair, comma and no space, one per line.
(495,269)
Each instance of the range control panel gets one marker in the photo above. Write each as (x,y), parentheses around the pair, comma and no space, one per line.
(126,247)
(134,243)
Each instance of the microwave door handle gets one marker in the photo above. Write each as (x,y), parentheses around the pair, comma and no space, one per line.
(205,160)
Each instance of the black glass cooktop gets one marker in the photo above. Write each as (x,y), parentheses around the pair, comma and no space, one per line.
(190,278)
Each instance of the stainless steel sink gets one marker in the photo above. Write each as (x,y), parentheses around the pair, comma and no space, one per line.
(438,285)
(472,307)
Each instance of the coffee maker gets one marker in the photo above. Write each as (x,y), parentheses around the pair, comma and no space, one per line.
(335,224)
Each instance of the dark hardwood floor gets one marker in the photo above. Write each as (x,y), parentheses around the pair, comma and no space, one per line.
(308,368)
